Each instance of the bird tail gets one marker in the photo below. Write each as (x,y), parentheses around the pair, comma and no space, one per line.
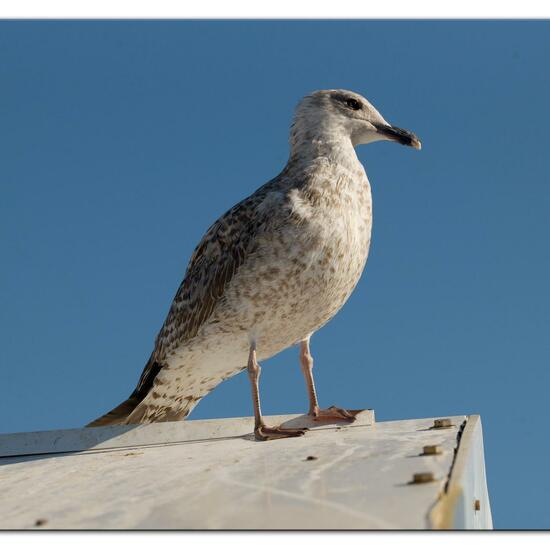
(150,401)
(117,415)
(120,413)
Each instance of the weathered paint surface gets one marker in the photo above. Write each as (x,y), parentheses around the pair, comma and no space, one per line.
(465,503)
(128,436)
(211,474)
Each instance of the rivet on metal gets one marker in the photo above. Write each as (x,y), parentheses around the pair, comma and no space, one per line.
(40,522)
(431,450)
(442,423)
(422,477)
(477,505)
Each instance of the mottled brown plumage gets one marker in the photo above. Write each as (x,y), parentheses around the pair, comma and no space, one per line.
(271,270)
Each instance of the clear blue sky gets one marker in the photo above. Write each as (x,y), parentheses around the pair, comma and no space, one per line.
(120,142)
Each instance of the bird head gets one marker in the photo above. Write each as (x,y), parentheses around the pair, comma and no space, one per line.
(344,113)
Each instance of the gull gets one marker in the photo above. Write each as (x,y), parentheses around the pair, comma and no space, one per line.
(271,271)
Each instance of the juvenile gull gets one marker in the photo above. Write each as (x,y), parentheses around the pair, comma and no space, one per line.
(271,271)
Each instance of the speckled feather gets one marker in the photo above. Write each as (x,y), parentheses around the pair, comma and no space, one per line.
(272,270)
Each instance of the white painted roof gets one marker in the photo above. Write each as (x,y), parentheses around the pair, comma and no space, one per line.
(212,474)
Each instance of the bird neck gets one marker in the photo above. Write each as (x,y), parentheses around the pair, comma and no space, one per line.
(306,147)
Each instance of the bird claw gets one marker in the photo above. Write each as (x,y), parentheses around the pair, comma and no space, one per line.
(266,433)
(333,414)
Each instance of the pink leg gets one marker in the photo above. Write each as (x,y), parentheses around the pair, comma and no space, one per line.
(321,415)
(261,431)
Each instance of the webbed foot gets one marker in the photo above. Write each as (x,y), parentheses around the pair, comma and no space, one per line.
(266,433)
(335,414)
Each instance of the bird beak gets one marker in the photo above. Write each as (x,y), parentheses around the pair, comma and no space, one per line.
(401,136)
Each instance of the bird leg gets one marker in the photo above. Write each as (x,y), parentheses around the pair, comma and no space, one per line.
(261,431)
(320,415)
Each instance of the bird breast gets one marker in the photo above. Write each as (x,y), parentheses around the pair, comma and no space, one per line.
(304,270)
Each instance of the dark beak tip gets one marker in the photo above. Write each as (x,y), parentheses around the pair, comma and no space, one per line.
(401,136)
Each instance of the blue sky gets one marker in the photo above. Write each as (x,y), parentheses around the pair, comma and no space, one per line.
(120,142)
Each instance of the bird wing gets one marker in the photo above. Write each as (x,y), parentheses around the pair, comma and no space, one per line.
(214,262)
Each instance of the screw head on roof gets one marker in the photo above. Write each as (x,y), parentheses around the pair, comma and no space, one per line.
(422,477)
(442,423)
(40,522)
(431,450)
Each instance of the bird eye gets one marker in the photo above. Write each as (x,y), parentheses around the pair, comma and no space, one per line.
(352,103)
